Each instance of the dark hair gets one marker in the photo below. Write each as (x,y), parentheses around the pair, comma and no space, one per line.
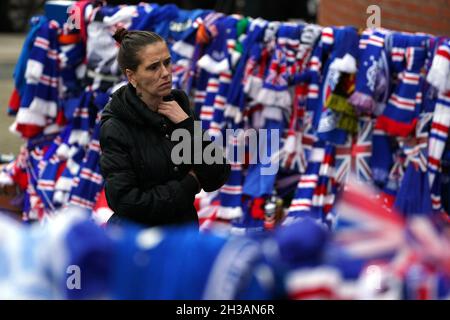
(130,44)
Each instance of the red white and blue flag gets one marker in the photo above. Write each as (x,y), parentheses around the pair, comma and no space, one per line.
(354,156)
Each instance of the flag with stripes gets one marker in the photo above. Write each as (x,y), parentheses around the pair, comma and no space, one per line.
(230,193)
(41,96)
(366,229)
(439,73)
(315,192)
(89,182)
(438,135)
(354,156)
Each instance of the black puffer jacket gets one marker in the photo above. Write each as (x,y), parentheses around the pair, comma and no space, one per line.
(142,183)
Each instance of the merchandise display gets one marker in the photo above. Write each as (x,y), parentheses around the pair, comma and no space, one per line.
(344,195)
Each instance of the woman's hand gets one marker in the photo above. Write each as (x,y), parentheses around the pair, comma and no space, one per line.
(173,111)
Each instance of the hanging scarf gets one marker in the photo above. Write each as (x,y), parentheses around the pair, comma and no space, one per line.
(314,197)
(40,98)
(370,63)
(353,158)
(438,135)
(414,195)
(89,182)
(20,69)
(400,116)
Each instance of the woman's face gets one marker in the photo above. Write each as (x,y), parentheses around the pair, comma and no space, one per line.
(153,77)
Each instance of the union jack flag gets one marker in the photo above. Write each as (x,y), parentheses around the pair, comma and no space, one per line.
(277,74)
(415,148)
(304,139)
(439,132)
(366,228)
(354,156)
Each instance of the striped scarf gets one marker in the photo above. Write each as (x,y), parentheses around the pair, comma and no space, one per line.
(438,76)
(274,90)
(39,103)
(236,97)
(400,116)
(438,135)
(89,182)
(197,77)
(230,194)
(21,65)
(314,196)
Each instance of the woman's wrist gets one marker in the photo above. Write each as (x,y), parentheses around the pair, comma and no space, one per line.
(181,119)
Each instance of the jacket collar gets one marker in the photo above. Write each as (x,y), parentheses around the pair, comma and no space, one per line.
(126,105)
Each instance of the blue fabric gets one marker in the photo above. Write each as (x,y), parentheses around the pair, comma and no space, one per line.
(413,197)
(301,243)
(153,272)
(382,157)
(257,184)
(158,20)
(89,248)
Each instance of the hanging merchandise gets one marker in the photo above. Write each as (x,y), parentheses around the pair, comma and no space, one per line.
(326,103)
(372,69)
(315,192)
(414,194)
(39,101)
(400,115)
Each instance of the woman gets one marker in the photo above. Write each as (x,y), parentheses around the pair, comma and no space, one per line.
(142,183)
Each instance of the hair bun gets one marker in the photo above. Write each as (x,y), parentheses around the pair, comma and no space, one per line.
(120,34)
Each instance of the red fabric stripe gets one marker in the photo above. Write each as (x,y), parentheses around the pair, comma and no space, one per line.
(101,201)
(328,159)
(433,161)
(60,170)
(69,38)
(257,210)
(327,208)
(308,180)
(423,293)
(376,40)
(395,128)
(29,130)
(320,190)
(21,179)
(443,53)
(320,292)
(439,127)
(373,207)
(60,118)
(14,101)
